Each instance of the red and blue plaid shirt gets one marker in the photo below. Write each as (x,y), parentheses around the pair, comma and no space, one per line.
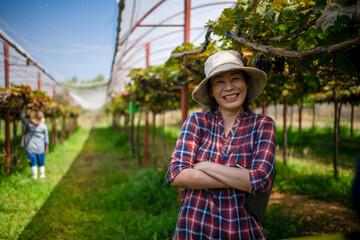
(220,213)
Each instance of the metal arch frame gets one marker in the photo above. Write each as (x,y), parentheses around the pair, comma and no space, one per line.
(138,24)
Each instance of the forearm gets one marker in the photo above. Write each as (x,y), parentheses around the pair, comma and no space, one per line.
(231,176)
(195,179)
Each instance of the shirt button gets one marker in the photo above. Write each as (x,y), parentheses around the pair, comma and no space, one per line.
(264,182)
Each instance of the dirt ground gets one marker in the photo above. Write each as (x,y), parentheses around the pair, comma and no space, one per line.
(333,217)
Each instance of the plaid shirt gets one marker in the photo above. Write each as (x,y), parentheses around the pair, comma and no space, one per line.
(220,213)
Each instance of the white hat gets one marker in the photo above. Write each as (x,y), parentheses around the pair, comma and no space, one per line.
(224,61)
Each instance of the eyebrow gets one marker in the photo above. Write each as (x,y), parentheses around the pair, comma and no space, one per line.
(221,74)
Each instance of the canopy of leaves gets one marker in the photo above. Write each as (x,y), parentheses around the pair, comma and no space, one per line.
(20,97)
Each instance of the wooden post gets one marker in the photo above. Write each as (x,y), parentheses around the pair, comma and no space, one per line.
(300,116)
(313,115)
(39,80)
(165,156)
(69,120)
(138,150)
(54,131)
(153,156)
(146,133)
(63,120)
(7,111)
(184,89)
(146,140)
(263,105)
(352,121)
(336,134)
(132,134)
(15,159)
(285,131)
(291,116)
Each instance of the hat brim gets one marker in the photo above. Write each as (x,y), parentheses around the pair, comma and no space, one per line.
(257,83)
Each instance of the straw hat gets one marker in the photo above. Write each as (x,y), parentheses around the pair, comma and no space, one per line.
(36,117)
(224,61)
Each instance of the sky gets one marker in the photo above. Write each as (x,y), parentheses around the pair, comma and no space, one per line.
(66,37)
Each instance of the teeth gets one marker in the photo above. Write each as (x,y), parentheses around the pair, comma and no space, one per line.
(230,96)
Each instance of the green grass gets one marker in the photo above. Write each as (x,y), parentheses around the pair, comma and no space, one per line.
(95,190)
(314,180)
(104,195)
(319,142)
(21,197)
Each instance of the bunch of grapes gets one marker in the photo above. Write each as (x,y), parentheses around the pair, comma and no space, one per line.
(143,83)
(262,64)
(279,65)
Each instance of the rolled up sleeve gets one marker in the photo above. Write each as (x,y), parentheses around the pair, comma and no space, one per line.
(186,148)
(262,166)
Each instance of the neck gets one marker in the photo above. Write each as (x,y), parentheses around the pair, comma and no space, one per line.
(229,118)
(230,115)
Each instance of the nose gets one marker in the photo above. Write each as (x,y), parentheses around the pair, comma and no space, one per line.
(228,85)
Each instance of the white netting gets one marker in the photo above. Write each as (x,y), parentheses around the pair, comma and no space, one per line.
(90,96)
(24,70)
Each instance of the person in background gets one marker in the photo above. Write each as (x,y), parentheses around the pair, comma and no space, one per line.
(35,141)
(223,153)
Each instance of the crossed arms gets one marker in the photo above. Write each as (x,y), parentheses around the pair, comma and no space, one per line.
(206,175)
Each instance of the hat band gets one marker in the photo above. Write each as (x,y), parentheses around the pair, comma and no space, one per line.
(217,70)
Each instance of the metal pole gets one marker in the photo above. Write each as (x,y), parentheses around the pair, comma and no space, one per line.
(7,111)
(63,119)
(69,121)
(184,89)
(146,139)
(39,80)
(54,136)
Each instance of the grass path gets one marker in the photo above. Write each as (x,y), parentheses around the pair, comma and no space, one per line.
(74,208)
(21,197)
(104,196)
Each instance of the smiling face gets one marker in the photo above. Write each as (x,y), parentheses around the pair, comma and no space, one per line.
(229,90)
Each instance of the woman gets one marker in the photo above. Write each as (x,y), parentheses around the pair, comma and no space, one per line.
(223,154)
(35,141)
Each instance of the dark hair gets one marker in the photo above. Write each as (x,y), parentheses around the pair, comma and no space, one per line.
(213,105)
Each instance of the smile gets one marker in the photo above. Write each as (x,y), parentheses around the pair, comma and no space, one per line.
(230,97)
